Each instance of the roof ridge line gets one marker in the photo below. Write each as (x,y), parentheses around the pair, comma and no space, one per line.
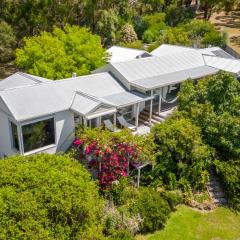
(29,77)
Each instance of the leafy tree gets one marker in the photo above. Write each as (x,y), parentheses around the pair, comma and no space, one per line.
(7,43)
(48,197)
(107,27)
(128,34)
(57,55)
(182,157)
(209,6)
(204,33)
(213,104)
(229,172)
(176,36)
(154,24)
(152,208)
(176,14)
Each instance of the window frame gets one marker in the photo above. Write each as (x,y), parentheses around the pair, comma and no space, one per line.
(36,121)
(13,147)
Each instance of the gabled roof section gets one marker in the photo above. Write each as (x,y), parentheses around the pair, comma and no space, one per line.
(226,64)
(168,49)
(120,54)
(155,66)
(175,77)
(20,79)
(85,104)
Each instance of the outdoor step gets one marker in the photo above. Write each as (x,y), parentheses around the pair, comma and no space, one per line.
(220,201)
(214,189)
(145,113)
(156,117)
(154,121)
(143,121)
(217,194)
(143,117)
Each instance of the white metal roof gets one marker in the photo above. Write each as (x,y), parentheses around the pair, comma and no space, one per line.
(55,96)
(84,104)
(19,79)
(168,49)
(144,68)
(120,54)
(175,77)
(124,98)
(229,65)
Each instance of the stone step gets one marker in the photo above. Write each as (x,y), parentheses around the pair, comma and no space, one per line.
(220,201)
(217,194)
(216,188)
(157,118)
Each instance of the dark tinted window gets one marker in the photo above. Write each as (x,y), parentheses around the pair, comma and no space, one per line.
(38,134)
(15,142)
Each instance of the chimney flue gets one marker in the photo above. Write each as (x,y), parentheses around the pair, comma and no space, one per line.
(74,75)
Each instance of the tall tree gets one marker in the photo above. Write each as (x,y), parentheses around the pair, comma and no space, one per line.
(7,42)
(57,55)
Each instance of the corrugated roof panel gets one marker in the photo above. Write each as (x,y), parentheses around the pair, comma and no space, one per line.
(173,78)
(83,104)
(229,65)
(120,54)
(20,79)
(124,98)
(155,66)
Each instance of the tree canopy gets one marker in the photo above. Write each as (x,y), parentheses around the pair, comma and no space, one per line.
(48,197)
(60,53)
(182,157)
(213,104)
(7,43)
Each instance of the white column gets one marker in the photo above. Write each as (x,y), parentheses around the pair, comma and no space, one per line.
(136,116)
(84,122)
(151,108)
(114,121)
(20,139)
(160,101)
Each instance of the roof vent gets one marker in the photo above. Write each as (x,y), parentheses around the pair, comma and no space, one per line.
(74,75)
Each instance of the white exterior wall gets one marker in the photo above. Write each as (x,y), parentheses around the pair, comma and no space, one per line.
(5,136)
(64,134)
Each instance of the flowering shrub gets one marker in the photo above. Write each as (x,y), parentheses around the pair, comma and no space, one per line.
(110,153)
(111,163)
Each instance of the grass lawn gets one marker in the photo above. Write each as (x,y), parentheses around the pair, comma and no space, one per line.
(188,224)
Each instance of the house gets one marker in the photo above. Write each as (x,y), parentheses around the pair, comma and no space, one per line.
(120,54)
(39,115)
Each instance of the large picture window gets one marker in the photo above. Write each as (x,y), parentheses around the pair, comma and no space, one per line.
(15,143)
(39,134)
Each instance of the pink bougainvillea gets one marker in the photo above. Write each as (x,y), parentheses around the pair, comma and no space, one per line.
(110,163)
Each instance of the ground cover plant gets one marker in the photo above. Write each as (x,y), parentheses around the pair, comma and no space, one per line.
(189,224)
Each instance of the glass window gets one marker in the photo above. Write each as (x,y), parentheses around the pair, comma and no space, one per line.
(15,143)
(39,134)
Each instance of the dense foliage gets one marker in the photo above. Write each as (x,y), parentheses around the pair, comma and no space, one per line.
(213,104)
(48,197)
(229,172)
(182,157)
(7,43)
(153,209)
(60,53)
